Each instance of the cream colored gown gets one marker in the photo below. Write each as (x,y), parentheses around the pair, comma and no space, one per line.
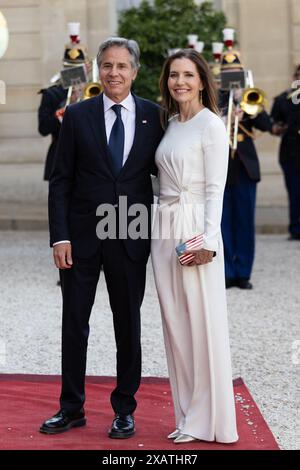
(192,160)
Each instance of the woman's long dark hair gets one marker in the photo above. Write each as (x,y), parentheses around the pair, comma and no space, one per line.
(209,95)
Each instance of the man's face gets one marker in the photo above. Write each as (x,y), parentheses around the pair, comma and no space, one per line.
(116,73)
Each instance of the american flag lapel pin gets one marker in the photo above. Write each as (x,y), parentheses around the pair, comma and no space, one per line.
(144,121)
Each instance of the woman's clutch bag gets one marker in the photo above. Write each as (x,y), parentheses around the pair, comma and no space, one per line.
(194,243)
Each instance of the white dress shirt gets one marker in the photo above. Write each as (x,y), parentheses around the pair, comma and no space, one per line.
(128,118)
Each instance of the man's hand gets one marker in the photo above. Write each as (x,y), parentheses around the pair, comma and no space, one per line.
(201,257)
(62,254)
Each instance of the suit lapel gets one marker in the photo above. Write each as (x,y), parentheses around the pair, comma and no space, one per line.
(140,122)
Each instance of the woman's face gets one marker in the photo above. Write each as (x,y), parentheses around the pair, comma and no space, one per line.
(184,81)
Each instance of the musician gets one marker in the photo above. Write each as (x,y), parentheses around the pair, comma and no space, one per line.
(286,112)
(54,97)
(238,218)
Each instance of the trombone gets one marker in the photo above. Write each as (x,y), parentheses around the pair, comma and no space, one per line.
(252,102)
(94,87)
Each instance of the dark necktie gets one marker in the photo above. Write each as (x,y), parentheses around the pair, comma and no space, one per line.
(116,140)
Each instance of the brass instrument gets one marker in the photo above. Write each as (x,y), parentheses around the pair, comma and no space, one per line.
(93,88)
(232,111)
(229,114)
(253,101)
(243,96)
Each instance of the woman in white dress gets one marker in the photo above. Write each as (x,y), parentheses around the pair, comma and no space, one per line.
(192,160)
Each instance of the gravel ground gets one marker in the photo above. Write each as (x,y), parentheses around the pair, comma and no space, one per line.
(264,325)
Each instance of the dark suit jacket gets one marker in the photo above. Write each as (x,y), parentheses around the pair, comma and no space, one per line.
(83,175)
(53,98)
(284,111)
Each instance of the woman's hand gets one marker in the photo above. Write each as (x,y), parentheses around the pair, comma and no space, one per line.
(201,257)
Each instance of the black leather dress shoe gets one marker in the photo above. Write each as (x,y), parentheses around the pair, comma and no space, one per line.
(62,422)
(122,427)
(230,282)
(244,284)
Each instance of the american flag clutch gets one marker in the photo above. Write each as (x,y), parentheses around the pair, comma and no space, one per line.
(192,244)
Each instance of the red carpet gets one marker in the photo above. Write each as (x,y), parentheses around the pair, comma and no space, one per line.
(25,401)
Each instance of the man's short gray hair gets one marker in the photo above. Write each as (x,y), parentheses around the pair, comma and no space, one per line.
(131,45)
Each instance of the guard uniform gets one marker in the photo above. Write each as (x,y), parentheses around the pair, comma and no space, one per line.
(238,219)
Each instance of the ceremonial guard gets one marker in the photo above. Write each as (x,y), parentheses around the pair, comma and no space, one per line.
(286,113)
(242,106)
(54,97)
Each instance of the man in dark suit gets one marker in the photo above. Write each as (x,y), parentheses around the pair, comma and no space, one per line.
(106,150)
(238,218)
(286,112)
